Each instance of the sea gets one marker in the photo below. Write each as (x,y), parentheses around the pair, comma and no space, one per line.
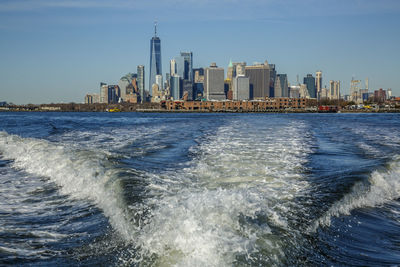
(187,189)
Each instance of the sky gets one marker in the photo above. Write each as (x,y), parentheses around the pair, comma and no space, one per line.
(54,51)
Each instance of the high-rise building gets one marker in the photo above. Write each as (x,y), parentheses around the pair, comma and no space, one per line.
(259,76)
(241,88)
(124,82)
(294,91)
(184,65)
(281,86)
(188,65)
(155,58)
(198,75)
(109,94)
(334,90)
(140,83)
(272,77)
(175,87)
(380,95)
(159,82)
(230,73)
(214,83)
(309,81)
(172,67)
(389,93)
(318,81)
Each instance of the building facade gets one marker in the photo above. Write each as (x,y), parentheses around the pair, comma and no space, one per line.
(241,88)
(318,81)
(155,58)
(309,81)
(281,86)
(214,83)
(259,77)
(140,83)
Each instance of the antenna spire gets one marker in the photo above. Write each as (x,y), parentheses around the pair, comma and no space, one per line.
(155,28)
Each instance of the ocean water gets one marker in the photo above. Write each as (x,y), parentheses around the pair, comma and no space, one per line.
(132,189)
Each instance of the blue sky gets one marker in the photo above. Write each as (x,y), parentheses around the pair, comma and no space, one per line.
(57,51)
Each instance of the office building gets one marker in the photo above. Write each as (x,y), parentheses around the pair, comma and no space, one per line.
(175,87)
(109,94)
(241,88)
(303,91)
(272,77)
(198,75)
(294,91)
(155,58)
(380,95)
(318,81)
(281,86)
(214,83)
(140,83)
(309,81)
(259,77)
(172,67)
(334,90)
(159,82)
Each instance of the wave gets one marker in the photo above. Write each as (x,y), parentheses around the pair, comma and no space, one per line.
(239,188)
(382,187)
(81,174)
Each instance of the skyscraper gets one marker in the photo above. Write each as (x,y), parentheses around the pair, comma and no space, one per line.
(241,88)
(259,76)
(155,58)
(172,67)
(309,81)
(334,90)
(188,58)
(140,82)
(281,86)
(318,81)
(175,85)
(214,83)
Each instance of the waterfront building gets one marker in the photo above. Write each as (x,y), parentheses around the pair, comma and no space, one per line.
(92,98)
(214,83)
(309,81)
(140,83)
(318,81)
(380,95)
(259,77)
(175,87)
(389,93)
(241,88)
(281,86)
(110,94)
(155,58)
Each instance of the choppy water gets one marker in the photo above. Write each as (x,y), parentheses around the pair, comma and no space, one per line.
(133,189)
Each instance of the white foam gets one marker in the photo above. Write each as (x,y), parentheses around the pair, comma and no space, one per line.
(383,186)
(80,174)
(196,220)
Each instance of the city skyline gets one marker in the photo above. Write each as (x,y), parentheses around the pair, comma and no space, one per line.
(46,63)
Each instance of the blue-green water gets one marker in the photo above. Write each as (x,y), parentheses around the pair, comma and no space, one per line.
(131,189)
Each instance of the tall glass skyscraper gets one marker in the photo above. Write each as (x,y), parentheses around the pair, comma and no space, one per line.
(155,58)
(309,81)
